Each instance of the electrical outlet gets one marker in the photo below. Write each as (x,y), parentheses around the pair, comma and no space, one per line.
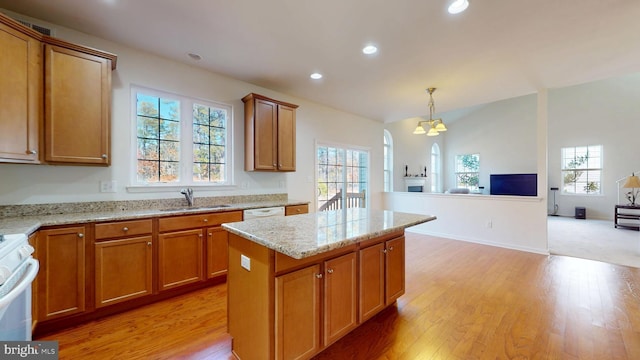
(108,186)
(244,185)
(490,224)
(245,262)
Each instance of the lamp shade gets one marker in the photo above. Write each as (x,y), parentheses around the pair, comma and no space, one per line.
(419,130)
(433,131)
(440,126)
(632,182)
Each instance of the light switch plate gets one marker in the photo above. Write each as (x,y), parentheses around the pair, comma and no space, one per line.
(245,262)
(108,186)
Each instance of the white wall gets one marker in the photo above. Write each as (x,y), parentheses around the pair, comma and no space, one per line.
(505,221)
(599,113)
(29,184)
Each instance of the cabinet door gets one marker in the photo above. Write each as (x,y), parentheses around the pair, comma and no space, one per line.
(286,138)
(180,258)
(297,315)
(217,252)
(21,100)
(61,279)
(394,269)
(265,123)
(123,269)
(372,281)
(77,103)
(340,297)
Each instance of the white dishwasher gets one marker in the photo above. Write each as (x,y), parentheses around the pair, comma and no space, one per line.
(263,212)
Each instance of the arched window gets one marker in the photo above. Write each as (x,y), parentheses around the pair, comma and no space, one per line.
(388,162)
(436,169)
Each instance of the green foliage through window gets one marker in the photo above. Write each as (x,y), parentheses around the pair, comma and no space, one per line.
(467,171)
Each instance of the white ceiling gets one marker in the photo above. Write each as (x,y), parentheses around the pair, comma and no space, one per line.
(495,50)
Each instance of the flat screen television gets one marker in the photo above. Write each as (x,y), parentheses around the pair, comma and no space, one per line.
(514,184)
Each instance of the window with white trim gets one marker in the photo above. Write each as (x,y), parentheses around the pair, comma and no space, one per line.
(582,170)
(467,171)
(388,161)
(180,140)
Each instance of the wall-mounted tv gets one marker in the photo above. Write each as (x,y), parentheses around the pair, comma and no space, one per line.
(514,184)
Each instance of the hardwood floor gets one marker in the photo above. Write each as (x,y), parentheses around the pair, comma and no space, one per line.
(463,301)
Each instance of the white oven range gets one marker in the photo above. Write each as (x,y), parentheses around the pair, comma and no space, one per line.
(18,269)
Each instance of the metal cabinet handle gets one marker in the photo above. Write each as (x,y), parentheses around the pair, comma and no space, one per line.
(298,210)
(319,276)
(148,243)
(199,235)
(125,229)
(210,234)
(384,251)
(330,271)
(80,235)
(390,248)
(206,220)
(274,165)
(104,156)
(32,152)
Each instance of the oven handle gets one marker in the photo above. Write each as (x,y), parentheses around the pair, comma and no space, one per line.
(27,279)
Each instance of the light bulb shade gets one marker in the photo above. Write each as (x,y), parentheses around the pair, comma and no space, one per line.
(632,182)
(419,130)
(433,132)
(458,6)
(440,126)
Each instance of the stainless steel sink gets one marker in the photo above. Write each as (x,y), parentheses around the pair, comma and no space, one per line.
(193,208)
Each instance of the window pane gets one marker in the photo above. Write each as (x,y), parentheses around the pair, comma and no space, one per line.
(169,171)
(147,171)
(169,130)
(148,127)
(218,118)
(200,172)
(200,153)
(218,136)
(170,109)
(148,105)
(148,149)
(217,154)
(200,114)
(200,134)
(170,151)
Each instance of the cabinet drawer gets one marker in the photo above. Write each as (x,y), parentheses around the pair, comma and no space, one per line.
(123,228)
(285,263)
(296,209)
(198,220)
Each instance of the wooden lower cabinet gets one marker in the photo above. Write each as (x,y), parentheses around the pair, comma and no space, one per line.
(340,297)
(217,252)
(61,280)
(285,308)
(372,281)
(297,322)
(296,209)
(180,258)
(123,269)
(394,269)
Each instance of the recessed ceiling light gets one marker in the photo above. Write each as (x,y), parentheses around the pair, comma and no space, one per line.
(194,56)
(458,6)
(316,76)
(369,49)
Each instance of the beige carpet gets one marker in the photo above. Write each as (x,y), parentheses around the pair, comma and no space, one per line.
(594,239)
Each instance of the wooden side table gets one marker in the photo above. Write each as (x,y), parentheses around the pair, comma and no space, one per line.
(627,212)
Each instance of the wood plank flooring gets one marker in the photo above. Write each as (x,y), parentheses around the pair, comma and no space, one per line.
(463,301)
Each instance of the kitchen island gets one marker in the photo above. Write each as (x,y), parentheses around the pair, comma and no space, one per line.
(297,284)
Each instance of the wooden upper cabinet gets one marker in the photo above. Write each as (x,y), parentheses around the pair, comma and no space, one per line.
(77,106)
(21,99)
(270,134)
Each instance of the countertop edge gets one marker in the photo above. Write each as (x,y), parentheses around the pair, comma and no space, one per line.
(30,224)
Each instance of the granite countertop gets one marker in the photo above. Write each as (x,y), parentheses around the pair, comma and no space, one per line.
(306,235)
(31,223)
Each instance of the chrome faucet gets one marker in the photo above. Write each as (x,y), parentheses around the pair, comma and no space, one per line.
(188,194)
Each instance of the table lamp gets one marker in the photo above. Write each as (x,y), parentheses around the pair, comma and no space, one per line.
(633,182)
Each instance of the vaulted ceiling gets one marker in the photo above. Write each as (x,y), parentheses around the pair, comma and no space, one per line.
(495,50)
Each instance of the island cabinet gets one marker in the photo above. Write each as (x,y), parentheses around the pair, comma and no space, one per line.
(382,269)
(183,249)
(61,280)
(123,261)
(286,308)
(21,100)
(270,134)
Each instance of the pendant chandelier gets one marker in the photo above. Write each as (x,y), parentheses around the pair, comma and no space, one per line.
(435,125)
